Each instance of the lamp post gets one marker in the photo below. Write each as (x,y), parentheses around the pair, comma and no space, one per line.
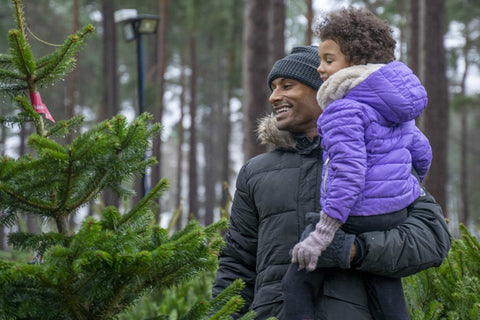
(134,26)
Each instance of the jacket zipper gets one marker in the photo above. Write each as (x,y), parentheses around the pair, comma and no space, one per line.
(324,182)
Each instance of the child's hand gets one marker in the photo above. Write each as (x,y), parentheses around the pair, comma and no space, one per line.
(306,253)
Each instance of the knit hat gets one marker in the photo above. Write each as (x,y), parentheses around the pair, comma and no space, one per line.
(301,65)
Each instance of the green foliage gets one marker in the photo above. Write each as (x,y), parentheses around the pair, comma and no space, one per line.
(451,291)
(108,264)
(63,178)
(21,72)
(192,299)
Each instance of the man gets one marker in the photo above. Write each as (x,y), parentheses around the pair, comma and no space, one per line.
(276,190)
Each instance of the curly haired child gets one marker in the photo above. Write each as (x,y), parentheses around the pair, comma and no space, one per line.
(374,155)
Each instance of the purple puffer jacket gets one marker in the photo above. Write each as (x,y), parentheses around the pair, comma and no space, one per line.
(371,141)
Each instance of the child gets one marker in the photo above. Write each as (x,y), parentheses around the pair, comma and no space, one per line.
(371,145)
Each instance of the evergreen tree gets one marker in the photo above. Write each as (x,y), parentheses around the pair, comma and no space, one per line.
(452,290)
(108,264)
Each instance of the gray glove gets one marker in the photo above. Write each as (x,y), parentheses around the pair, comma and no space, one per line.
(338,252)
(306,252)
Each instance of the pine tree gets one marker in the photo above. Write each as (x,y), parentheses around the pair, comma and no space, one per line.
(104,267)
(452,290)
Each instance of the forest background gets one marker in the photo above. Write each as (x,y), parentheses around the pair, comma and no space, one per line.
(205,82)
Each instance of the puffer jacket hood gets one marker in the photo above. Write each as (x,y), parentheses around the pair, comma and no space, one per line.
(392,90)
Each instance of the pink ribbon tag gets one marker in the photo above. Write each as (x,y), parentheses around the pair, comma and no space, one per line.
(38,105)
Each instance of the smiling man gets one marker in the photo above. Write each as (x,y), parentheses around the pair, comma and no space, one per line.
(276,190)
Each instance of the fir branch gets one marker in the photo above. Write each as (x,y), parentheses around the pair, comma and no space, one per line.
(43,145)
(233,305)
(63,198)
(6,60)
(37,119)
(36,242)
(59,63)
(63,127)
(19,15)
(33,203)
(145,201)
(22,56)
(91,192)
(12,89)
(8,75)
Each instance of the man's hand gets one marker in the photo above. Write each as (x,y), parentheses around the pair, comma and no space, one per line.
(306,253)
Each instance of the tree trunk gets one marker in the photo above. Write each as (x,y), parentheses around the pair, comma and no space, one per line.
(402,9)
(276,32)
(181,138)
(73,76)
(464,185)
(192,160)
(227,125)
(309,16)
(72,88)
(413,45)
(156,173)
(436,114)
(3,137)
(110,91)
(109,57)
(255,71)
(210,154)
(3,239)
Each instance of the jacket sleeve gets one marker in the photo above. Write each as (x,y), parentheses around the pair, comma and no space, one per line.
(342,128)
(421,152)
(421,242)
(237,258)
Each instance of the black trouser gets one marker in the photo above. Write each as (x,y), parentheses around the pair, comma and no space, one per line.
(302,289)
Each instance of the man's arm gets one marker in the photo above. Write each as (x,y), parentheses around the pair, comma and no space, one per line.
(421,242)
(237,259)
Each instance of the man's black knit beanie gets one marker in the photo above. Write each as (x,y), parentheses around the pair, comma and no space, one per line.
(301,65)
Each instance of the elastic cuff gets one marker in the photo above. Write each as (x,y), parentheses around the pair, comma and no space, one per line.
(345,253)
(359,252)
(327,222)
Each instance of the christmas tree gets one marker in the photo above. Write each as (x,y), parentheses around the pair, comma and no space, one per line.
(103,268)
(451,291)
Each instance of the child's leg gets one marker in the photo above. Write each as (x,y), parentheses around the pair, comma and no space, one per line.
(300,291)
(385,298)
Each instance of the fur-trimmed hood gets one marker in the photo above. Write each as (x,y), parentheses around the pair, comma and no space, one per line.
(341,82)
(392,90)
(269,134)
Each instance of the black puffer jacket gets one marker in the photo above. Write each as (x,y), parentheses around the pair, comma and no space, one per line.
(274,191)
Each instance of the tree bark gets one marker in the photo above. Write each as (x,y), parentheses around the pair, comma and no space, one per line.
(413,45)
(227,124)
(255,71)
(309,16)
(276,32)
(72,81)
(110,91)
(156,173)
(435,117)
(464,185)
(181,138)
(192,160)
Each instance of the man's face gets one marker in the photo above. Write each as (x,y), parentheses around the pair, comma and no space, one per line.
(295,106)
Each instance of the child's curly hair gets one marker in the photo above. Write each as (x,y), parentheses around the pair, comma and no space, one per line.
(362,36)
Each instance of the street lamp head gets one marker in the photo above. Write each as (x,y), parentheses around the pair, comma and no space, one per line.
(148,24)
(141,24)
